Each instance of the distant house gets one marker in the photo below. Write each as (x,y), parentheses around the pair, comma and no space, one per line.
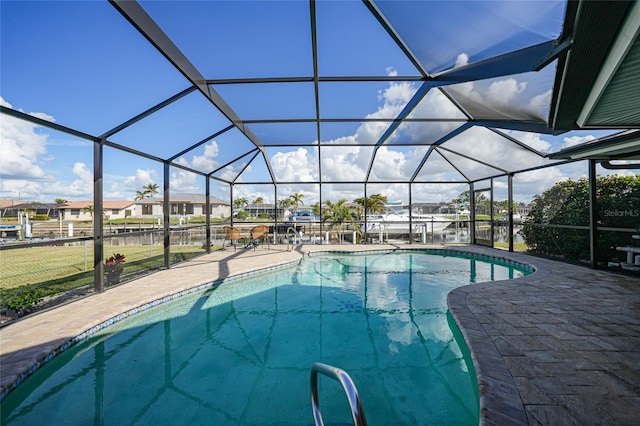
(183,205)
(77,210)
(10,208)
(255,210)
(5,204)
(180,205)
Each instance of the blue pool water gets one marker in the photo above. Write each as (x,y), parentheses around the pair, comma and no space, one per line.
(240,353)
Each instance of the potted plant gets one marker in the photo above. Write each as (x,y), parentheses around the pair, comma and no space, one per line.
(113,268)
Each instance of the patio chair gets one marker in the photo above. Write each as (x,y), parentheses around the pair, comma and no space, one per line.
(259,233)
(232,234)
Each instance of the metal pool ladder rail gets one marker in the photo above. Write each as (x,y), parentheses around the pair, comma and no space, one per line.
(348,386)
(297,237)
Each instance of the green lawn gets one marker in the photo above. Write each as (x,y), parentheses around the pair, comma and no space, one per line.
(55,269)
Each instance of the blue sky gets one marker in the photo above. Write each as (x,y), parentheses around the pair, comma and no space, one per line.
(82,65)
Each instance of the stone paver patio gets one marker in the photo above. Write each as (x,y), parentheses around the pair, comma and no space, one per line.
(560,346)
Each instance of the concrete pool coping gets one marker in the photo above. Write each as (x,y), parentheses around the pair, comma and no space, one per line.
(560,346)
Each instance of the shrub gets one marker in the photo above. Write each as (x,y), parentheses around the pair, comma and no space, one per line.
(567,203)
(23,300)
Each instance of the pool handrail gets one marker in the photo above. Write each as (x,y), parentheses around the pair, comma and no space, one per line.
(296,235)
(341,376)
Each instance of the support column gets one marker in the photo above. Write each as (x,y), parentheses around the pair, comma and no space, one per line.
(320,215)
(593,216)
(411,219)
(510,209)
(98,241)
(366,209)
(275,213)
(231,203)
(491,217)
(207,212)
(166,210)
(472,215)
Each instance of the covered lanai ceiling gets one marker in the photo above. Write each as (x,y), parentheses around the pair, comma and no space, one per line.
(373,91)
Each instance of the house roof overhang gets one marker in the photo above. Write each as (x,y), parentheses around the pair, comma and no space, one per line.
(594,86)
(621,146)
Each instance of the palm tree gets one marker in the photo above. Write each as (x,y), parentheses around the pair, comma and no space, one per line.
(151,189)
(258,201)
(338,215)
(88,209)
(357,211)
(373,204)
(140,195)
(376,203)
(285,204)
(60,201)
(296,200)
(241,202)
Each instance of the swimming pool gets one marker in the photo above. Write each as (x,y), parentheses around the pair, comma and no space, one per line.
(240,353)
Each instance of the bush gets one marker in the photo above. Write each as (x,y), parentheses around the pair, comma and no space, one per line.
(567,203)
(242,215)
(264,215)
(22,300)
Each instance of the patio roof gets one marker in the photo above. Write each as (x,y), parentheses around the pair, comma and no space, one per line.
(337,92)
(622,146)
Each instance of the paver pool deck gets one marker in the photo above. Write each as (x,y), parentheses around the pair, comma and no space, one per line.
(558,347)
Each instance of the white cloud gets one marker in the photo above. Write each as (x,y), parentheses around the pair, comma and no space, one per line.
(230,172)
(397,94)
(79,188)
(484,146)
(391,165)
(370,132)
(20,189)
(345,163)
(508,97)
(541,103)
(465,88)
(46,191)
(462,60)
(534,140)
(206,162)
(298,165)
(527,185)
(504,91)
(576,140)
(183,181)
(436,105)
(84,184)
(211,150)
(141,178)
(23,147)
